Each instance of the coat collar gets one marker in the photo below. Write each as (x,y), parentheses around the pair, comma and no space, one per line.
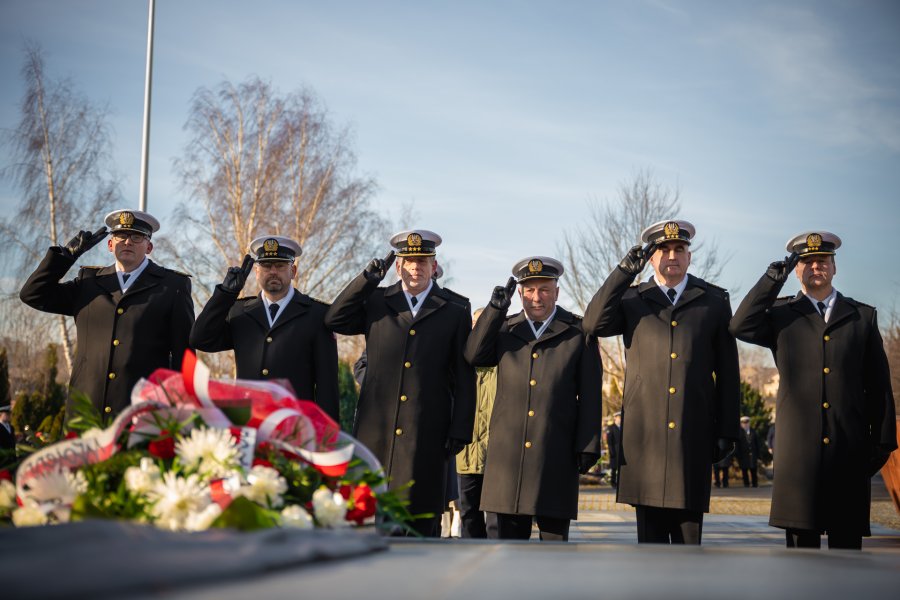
(519,327)
(298,305)
(695,288)
(396,301)
(844,308)
(109,281)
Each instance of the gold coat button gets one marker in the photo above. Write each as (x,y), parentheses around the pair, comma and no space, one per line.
(826,370)
(528,444)
(671,390)
(826,441)
(115,342)
(403,398)
(112,375)
(673,355)
(412,332)
(532,383)
(398,431)
(107,409)
(120,310)
(534,355)
(827,338)
(265,372)
(407,364)
(530,413)
(674,323)
(826,405)
(671,424)
(269,340)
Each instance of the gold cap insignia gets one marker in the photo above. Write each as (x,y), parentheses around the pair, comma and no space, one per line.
(814,240)
(270,246)
(414,239)
(671,230)
(126,219)
(535,265)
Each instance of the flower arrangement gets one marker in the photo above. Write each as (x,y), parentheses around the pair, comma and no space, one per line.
(192,453)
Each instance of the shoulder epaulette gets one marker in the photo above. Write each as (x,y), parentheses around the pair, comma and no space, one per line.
(319,301)
(242,298)
(178,272)
(858,303)
(92,267)
(716,287)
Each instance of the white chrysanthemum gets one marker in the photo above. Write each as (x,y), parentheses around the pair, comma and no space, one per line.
(29,514)
(329,507)
(297,517)
(57,486)
(142,479)
(7,496)
(176,499)
(212,452)
(200,521)
(265,486)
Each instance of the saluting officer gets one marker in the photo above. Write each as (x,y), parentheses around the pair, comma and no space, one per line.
(682,386)
(546,420)
(131,317)
(835,409)
(417,402)
(279,333)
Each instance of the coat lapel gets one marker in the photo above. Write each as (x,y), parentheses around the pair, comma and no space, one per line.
(256,309)
(558,325)
(650,291)
(106,278)
(297,307)
(435,300)
(395,300)
(802,305)
(146,280)
(695,289)
(519,327)
(842,310)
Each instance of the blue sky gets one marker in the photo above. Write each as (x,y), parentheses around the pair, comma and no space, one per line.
(499,120)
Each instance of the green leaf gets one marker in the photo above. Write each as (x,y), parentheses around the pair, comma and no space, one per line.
(246,515)
(83,509)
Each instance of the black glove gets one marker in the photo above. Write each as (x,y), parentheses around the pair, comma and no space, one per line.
(378,268)
(636,259)
(84,241)
(781,269)
(586,461)
(723,450)
(454,446)
(237,276)
(880,456)
(502,296)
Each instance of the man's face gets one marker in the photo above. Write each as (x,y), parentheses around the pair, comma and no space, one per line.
(816,272)
(129,248)
(275,276)
(415,272)
(538,297)
(671,261)
(745,425)
(617,420)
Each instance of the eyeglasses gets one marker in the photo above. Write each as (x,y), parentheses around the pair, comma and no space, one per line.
(136,238)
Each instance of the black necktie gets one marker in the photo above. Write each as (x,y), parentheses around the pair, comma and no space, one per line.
(273,310)
(413,300)
(671,294)
(538,325)
(125,277)
(822,309)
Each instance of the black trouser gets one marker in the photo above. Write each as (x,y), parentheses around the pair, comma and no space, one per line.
(750,473)
(837,540)
(474,522)
(723,472)
(518,527)
(614,475)
(668,525)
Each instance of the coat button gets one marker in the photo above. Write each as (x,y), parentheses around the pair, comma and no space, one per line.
(671,424)
(116,342)
(671,390)
(112,375)
(530,413)
(534,355)
(265,372)
(120,310)
(528,444)
(826,441)
(826,405)
(107,409)
(269,340)
(827,338)
(412,332)
(826,370)
(403,398)
(673,355)
(532,383)
(407,364)
(674,323)
(398,431)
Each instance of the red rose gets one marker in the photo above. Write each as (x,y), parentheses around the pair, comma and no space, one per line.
(345,491)
(163,446)
(71,435)
(261,462)
(363,504)
(5,474)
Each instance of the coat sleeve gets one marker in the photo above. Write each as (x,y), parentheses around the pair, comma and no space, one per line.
(590,399)
(43,289)
(728,378)
(879,394)
(481,348)
(182,321)
(211,331)
(604,316)
(347,314)
(326,373)
(462,377)
(751,322)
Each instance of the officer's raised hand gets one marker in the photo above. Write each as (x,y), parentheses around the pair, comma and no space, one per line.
(780,269)
(636,259)
(237,276)
(378,268)
(502,296)
(84,241)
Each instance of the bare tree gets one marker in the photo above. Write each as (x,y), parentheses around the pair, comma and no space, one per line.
(59,150)
(892,349)
(591,250)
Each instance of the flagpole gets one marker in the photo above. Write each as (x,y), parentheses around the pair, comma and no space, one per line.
(148,86)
